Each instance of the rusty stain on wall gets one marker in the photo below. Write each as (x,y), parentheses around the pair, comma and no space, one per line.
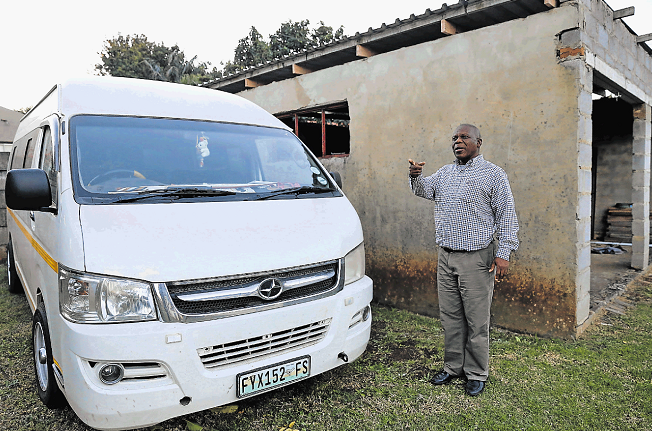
(403,280)
(522,301)
(534,303)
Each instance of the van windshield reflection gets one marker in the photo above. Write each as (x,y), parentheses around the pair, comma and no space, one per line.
(127,159)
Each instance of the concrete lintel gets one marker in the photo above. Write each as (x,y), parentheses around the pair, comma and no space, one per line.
(621,85)
(622,13)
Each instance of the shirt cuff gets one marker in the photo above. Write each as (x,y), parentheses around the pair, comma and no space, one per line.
(503,253)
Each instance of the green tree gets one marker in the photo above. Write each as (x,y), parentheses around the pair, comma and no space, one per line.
(291,38)
(323,35)
(251,51)
(136,57)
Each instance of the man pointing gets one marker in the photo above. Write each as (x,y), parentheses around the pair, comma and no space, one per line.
(475,228)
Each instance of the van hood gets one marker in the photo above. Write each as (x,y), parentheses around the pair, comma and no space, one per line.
(182,241)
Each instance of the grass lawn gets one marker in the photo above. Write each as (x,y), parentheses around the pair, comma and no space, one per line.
(602,381)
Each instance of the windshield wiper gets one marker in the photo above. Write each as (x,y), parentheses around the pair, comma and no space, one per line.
(180,192)
(297,191)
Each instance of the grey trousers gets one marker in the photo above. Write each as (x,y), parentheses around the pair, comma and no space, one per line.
(466,288)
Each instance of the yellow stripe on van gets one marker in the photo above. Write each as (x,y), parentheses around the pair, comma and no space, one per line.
(46,257)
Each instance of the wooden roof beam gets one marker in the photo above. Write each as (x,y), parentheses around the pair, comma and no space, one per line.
(644,38)
(622,13)
(363,51)
(299,70)
(250,83)
(448,27)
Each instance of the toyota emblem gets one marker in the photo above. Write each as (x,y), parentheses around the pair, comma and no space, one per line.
(270,288)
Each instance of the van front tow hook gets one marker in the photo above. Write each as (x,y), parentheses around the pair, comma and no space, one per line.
(343,357)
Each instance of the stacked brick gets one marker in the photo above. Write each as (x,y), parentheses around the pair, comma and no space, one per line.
(619,224)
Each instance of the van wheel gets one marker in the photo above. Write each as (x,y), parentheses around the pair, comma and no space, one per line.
(48,391)
(12,276)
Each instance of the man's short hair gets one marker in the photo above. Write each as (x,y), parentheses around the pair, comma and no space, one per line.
(473,127)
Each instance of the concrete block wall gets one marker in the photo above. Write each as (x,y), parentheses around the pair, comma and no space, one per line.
(584,184)
(611,41)
(641,186)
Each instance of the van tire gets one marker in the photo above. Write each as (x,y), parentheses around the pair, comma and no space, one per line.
(46,384)
(12,275)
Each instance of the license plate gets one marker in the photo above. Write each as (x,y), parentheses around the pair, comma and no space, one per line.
(264,379)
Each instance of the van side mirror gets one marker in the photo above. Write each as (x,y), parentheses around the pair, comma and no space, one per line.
(337,177)
(28,189)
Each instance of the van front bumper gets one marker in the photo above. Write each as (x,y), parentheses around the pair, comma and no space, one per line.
(169,378)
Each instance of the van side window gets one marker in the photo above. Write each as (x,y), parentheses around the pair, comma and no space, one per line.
(29,153)
(12,158)
(46,162)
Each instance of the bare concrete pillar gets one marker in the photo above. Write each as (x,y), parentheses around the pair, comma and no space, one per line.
(641,186)
(583,209)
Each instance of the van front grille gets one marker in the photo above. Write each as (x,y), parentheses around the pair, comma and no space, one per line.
(257,348)
(239,294)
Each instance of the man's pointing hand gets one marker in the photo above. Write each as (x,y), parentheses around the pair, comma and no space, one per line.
(415,168)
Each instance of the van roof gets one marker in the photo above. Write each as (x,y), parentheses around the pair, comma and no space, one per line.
(105,95)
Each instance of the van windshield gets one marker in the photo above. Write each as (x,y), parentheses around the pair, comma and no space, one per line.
(127,159)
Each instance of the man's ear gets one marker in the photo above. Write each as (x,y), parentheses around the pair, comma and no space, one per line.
(479,142)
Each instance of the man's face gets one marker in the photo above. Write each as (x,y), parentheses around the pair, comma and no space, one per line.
(466,144)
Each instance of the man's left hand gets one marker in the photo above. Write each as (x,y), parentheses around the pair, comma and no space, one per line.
(500,266)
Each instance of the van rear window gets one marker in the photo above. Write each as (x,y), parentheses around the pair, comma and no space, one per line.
(115,158)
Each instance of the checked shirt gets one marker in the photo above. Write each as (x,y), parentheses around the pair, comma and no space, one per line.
(473,202)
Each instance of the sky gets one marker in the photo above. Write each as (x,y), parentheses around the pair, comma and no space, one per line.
(44,42)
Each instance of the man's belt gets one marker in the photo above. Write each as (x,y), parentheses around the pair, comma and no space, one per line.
(450,250)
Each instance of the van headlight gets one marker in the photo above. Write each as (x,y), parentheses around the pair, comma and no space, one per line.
(354,265)
(90,298)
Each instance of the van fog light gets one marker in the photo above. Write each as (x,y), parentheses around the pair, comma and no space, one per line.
(366,312)
(361,316)
(110,374)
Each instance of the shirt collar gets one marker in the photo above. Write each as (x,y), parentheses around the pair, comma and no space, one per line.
(476,160)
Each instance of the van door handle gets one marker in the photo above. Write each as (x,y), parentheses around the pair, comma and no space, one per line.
(31,215)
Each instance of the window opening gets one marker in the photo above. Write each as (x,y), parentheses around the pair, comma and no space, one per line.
(46,162)
(29,154)
(324,129)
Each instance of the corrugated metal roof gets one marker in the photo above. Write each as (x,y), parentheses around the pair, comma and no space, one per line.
(464,15)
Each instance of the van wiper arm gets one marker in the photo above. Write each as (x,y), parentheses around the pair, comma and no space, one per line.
(297,191)
(186,192)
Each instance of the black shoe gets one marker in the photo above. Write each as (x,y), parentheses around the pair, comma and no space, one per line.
(474,387)
(443,378)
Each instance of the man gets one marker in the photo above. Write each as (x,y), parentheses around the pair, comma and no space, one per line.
(473,207)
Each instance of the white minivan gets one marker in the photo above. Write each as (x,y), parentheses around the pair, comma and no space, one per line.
(180,249)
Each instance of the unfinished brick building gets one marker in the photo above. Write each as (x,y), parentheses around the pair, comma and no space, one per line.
(533,75)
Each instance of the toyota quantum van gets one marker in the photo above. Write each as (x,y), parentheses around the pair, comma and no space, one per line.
(180,249)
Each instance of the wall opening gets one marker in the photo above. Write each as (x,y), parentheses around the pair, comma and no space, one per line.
(324,129)
(611,203)
(612,170)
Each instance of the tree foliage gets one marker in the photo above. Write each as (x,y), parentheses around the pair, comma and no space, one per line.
(134,56)
(291,38)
